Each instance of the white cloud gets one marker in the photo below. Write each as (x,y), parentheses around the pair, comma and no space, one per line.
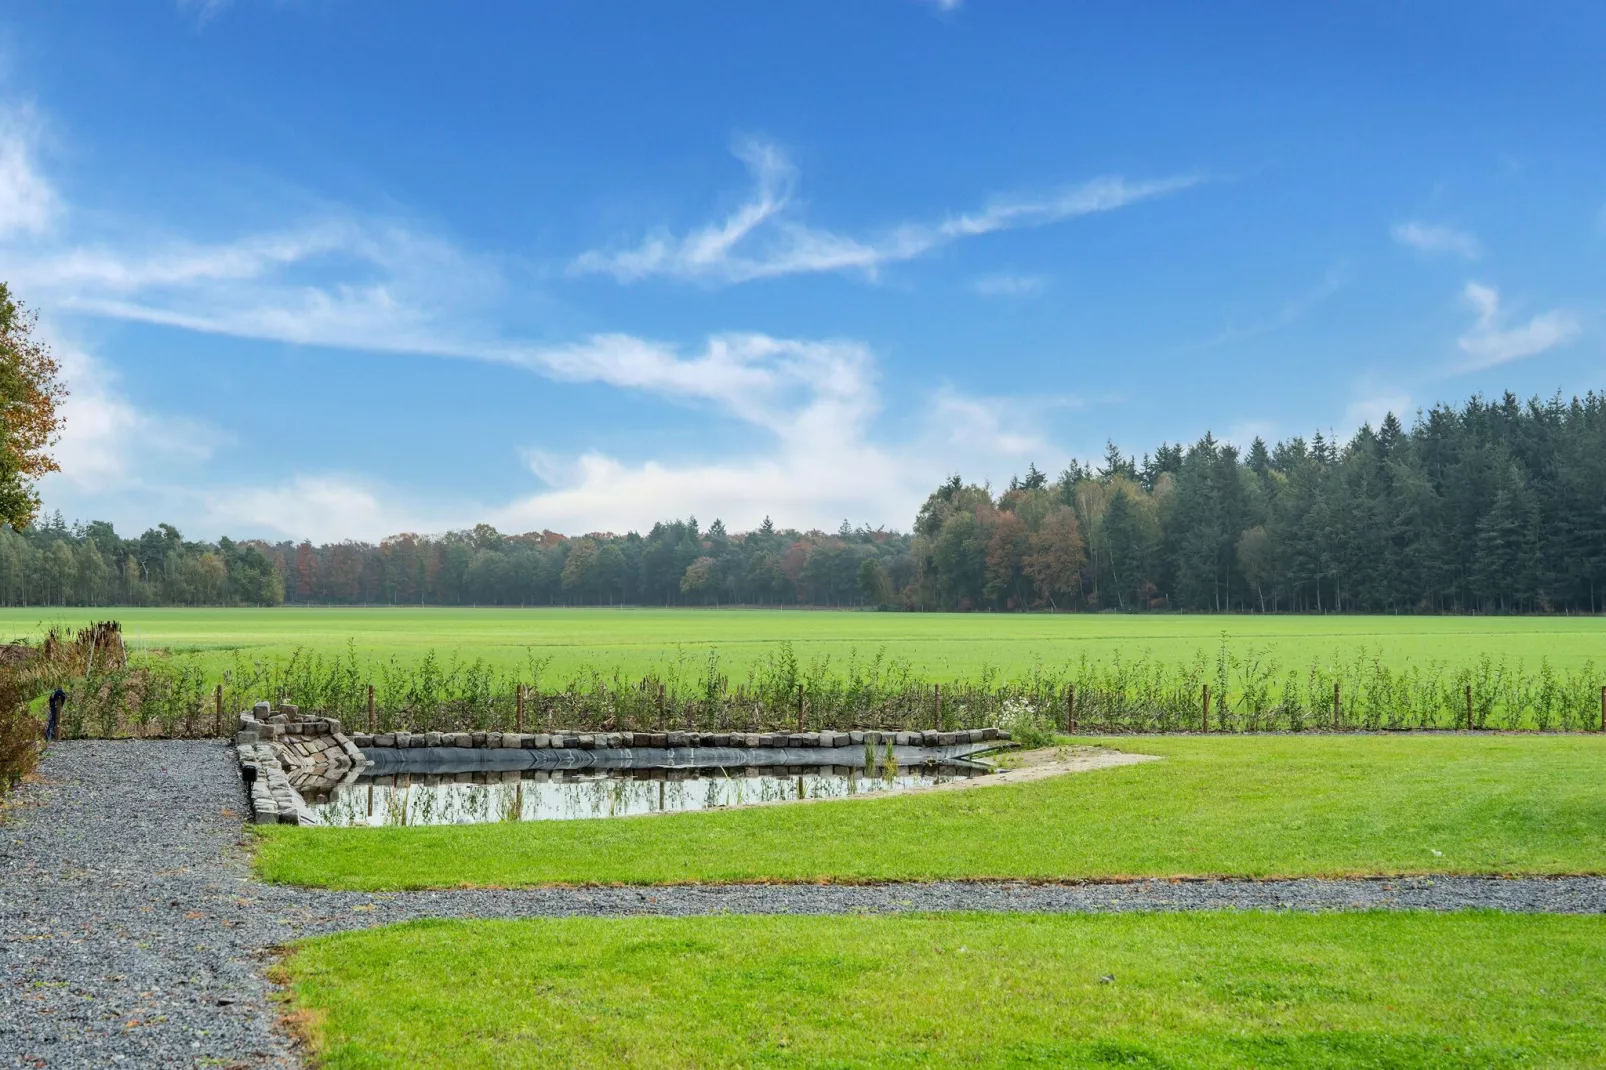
(754,377)
(808,407)
(805,482)
(345,281)
(323,508)
(1432,239)
(28,203)
(944,5)
(1007,285)
(813,401)
(988,426)
(1489,342)
(762,239)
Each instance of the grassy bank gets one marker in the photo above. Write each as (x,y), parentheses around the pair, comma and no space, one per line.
(1397,990)
(1255,805)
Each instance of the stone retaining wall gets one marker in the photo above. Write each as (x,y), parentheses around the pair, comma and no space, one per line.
(280,753)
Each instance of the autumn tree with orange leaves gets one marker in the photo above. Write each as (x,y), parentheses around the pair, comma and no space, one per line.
(30,421)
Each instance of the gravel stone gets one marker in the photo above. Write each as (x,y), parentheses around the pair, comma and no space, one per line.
(133,934)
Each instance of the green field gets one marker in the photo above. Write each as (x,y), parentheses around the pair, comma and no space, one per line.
(1207,990)
(938,646)
(1222,805)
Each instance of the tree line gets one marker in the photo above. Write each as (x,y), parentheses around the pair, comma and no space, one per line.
(1492,506)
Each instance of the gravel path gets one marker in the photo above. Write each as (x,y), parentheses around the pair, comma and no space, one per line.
(132,933)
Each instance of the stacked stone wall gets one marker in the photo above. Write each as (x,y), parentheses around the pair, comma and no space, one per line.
(278,750)
(617,740)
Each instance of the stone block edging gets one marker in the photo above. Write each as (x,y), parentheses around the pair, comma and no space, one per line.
(273,747)
(615,740)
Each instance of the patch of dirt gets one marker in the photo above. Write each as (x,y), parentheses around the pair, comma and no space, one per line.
(1018,767)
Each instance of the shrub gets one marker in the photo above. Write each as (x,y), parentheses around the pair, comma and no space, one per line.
(19,732)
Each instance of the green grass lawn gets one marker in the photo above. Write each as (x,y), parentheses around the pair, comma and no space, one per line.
(1250,805)
(939,646)
(1201,990)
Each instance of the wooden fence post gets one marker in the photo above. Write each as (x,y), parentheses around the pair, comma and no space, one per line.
(936,690)
(370,709)
(518,708)
(1070,709)
(220,710)
(1469,707)
(1338,708)
(1204,720)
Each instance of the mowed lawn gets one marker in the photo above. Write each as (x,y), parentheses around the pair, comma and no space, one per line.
(1201,990)
(938,646)
(1226,805)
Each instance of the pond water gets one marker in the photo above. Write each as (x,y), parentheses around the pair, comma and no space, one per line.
(572,795)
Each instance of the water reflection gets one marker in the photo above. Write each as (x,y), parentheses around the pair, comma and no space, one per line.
(533,795)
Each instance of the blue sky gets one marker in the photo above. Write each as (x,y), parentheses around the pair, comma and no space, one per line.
(333,269)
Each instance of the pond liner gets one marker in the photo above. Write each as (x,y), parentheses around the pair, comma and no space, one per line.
(387,761)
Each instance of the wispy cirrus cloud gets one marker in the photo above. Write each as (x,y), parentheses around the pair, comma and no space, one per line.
(1437,239)
(762,238)
(341,281)
(1492,341)
(810,406)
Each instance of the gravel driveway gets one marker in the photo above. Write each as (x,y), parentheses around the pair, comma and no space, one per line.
(132,932)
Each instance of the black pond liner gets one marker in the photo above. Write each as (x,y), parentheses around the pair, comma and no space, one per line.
(392,761)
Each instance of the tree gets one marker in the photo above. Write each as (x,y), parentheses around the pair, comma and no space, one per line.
(1006,556)
(576,570)
(697,576)
(1255,560)
(873,583)
(607,576)
(1124,544)
(29,422)
(1055,555)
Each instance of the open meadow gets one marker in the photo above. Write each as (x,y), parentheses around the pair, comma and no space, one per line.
(937,647)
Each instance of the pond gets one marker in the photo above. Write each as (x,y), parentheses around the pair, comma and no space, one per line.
(566,795)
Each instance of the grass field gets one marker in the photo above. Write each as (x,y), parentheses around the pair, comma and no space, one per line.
(1228,805)
(1236,989)
(938,646)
